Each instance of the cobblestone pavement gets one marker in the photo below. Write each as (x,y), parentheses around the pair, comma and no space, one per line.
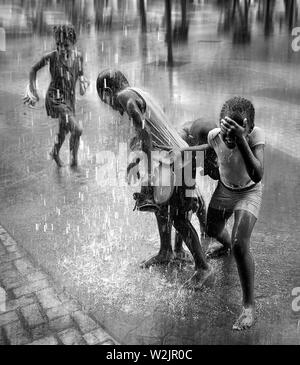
(33,311)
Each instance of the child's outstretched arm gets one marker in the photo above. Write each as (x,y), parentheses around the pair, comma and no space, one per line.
(177,154)
(202,147)
(31,96)
(131,107)
(254,158)
(32,75)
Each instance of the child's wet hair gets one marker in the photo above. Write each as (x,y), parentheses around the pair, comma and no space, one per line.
(238,108)
(63,33)
(111,79)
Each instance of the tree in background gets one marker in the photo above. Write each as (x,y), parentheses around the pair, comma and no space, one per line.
(169,37)
(143,16)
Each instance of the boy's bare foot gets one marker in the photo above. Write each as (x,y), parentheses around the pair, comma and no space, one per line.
(160,259)
(183,255)
(199,279)
(56,158)
(245,320)
(216,250)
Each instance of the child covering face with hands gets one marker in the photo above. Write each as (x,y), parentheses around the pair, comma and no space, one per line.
(239,146)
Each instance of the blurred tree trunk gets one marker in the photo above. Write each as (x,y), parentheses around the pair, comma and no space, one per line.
(290,9)
(143,16)
(269,11)
(234,6)
(267,18)
(247,5)
(169,31)
(183,14)
(241,30)
(181,29)
(259,16)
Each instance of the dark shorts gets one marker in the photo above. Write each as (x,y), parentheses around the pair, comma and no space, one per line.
(57,107)
(249,200)
(185,200)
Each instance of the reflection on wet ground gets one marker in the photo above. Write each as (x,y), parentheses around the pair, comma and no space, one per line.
(87,236)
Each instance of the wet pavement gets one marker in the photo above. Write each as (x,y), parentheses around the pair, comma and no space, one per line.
(33,311)
(86,236)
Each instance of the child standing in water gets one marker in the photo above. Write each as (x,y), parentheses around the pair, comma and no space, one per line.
(239,146)
(66,66)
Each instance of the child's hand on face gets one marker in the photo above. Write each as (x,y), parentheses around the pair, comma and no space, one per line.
(230,128)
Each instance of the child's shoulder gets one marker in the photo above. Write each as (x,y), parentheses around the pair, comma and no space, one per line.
(45,59)
(257,137)
(51,54)
(125,96)
(213,134)
(132,93)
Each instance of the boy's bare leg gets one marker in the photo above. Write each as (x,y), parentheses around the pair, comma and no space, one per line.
(203,271)
(201,215)
(243,226)
(179,252)
(76,132)
(215,228)
(60,140)
(165,254)
(74,146)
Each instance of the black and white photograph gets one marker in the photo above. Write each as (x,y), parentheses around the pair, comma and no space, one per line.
(149,174)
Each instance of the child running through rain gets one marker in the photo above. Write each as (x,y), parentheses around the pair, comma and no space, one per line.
(153,131)
(239,146)
(66,67)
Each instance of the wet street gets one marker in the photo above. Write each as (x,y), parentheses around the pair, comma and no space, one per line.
(86,235)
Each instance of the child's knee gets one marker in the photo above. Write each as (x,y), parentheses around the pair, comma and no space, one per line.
(240,246)
(61,135)
(77,131)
